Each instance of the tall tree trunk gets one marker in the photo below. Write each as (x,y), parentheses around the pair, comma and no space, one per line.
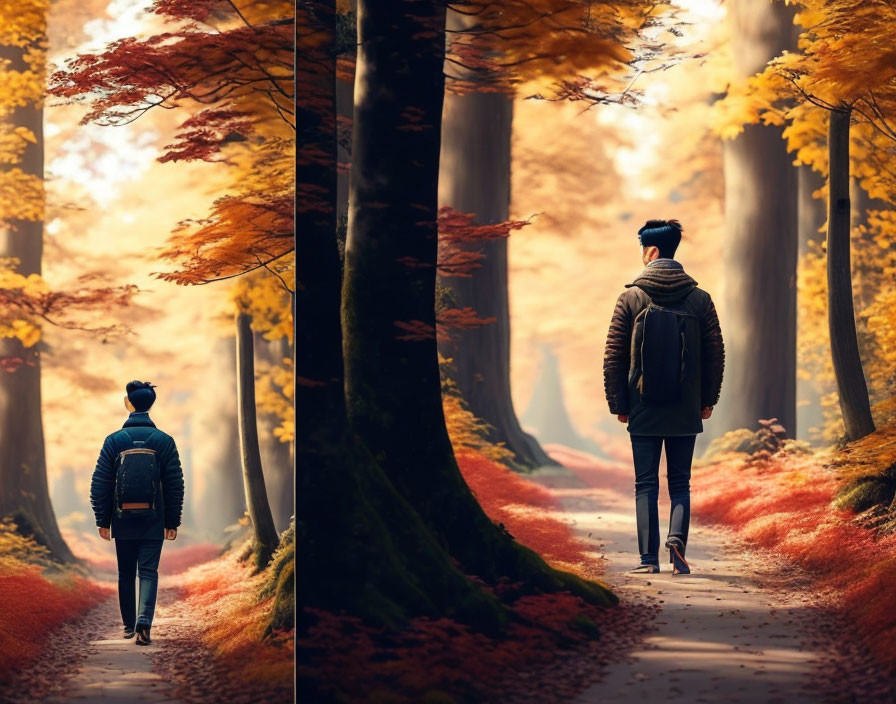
(760,252)
(393,388)
(811,218)
(362,547)
(851,386)
(216,444)
(264,532)
(474,177)
(24,493)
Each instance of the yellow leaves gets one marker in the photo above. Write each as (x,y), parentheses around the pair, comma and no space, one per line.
(23,22)
(13,141)
(263,295)
(874,292)
(757,99)
(808,18)
(467,432)
(21,196)
(19,89)
(28,333)
(274,395)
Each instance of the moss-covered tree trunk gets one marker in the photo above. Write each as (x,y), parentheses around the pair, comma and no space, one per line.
(851,386)
(24,493)
(474,177)
(392,373)
(362,547)
(263,530)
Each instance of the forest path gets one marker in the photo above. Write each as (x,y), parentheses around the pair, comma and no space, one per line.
(117,670)
(720,635)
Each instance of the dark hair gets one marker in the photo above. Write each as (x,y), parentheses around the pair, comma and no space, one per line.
(663,234)
(141,394)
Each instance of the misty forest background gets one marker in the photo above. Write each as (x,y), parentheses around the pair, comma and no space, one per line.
(471,181)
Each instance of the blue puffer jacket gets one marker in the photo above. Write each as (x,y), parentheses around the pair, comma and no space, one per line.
(169,495)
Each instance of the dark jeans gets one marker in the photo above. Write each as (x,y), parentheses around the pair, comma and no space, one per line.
(646,454)
(132,555)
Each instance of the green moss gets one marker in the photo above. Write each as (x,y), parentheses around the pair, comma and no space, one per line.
(586,625)
(867,492)
(280,582)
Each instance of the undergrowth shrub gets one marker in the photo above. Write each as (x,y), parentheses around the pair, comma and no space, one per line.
(36,595)
(802,507)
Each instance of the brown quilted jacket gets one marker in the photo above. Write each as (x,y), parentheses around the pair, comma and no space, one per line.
(665,282)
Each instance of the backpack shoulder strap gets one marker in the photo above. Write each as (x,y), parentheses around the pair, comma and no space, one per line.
(123,436)
(155,431)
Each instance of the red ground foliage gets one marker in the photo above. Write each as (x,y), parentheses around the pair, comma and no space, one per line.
(31,604)
(220,597)
(784,505)
(177,559)
(524,509)
(550,652)
(549,655)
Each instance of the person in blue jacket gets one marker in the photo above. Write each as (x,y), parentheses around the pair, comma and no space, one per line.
(139,534)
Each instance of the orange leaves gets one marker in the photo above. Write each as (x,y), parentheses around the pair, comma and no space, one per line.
(457,232)
(234,73)
(242,233)
(446,321)
(787,510)
(536,44)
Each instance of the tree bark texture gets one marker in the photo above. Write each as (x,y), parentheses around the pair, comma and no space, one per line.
(265,534)
(393,386)
(474,177)
(362,547)
(760,252)
(24,493)
(851,385)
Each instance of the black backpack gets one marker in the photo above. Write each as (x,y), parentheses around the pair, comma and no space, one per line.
(664,353)
(137,476)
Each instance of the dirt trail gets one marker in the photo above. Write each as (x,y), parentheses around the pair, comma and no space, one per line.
(116,670)
(720,635)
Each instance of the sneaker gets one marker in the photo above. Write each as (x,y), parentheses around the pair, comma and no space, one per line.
(128,631)
(143,635)
(649,568)
(679,564)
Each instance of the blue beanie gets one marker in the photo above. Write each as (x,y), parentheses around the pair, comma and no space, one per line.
(141,394)
(663,234)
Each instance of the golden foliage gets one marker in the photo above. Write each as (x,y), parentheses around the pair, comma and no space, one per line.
(263,295)
(275,395)
(23,22)
(467,432)
(874,293)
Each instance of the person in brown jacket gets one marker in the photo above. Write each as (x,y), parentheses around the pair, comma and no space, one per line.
(663,367)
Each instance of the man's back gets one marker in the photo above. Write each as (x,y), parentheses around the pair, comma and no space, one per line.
(664,283)
(143,510)
(169,492)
